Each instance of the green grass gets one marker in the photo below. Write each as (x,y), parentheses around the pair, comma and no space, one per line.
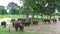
(20,16)
(40,18)
(6,31)
(3,31)
(12,16)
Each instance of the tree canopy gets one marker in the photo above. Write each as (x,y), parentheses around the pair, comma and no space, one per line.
(13,7)
(46,7)
(2,10)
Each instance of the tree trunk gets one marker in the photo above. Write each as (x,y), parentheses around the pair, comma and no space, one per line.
(33,15)
(50,17)
(47,17)
(27,14)
(37,15)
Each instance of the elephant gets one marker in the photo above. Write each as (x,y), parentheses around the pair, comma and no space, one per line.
(59,19)
(47,20)
(25,21)
(17,24)
(20,19)
(12,20)
(54,20)
(3,24)
(35,22)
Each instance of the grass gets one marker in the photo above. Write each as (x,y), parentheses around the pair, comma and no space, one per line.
(40,18)
(12,16)
(3,31)
(18,16)
(21,16)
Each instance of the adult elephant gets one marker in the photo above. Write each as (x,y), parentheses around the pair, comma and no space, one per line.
(47,20)
(17,24)
(3,24)
(20,19)
(25,21)
(12,20)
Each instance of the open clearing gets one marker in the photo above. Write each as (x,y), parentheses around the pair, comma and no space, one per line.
(41,28)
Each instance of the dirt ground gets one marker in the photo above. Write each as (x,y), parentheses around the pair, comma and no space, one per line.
(43,28)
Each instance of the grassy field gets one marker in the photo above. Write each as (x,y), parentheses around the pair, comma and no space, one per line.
(6,31)
(21,16)
(3,31)
(17,16)
(12,16)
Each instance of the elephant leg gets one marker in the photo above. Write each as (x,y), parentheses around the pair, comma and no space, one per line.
(16,28)
(45,22)
(53,22)
(33,23)
(5,26)
(37,23)
(28,24)
(49,22)
(21,28)
(13,24)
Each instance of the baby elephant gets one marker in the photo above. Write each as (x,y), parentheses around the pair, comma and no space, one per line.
(17,25)
(35,22)
(3,24)
(59,19)
(54,20)
(12,20)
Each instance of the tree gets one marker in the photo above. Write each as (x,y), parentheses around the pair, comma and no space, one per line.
(51,7)
(13,7)
(57,5)
(2,10)
(26,10)
(36,5)
(39,6)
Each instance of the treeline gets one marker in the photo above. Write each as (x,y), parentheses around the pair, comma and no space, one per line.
(32,7)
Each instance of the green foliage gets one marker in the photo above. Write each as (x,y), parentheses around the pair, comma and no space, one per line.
(2,10)
(12,16)
(13,7)
(57,3)
(37,6)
